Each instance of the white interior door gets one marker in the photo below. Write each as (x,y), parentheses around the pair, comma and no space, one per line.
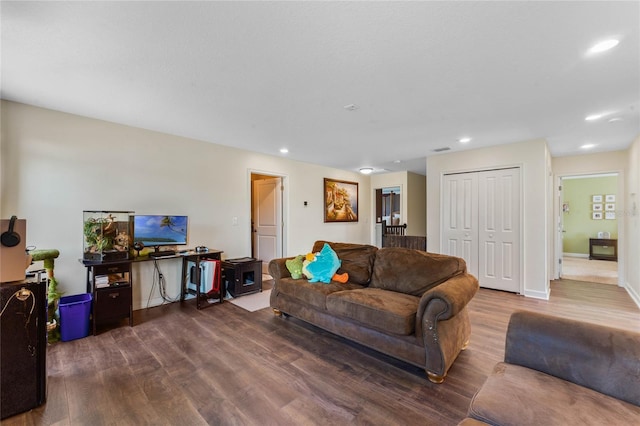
(460,218)
(481,224)
(267,220)
(499,229)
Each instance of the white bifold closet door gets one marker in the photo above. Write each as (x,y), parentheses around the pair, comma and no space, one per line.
(481,224)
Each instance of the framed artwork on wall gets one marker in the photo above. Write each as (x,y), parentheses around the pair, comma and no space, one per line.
(610,207)
(610,215)
(596,215)
(340,201)
(610,198)
(596,198)
(597,207)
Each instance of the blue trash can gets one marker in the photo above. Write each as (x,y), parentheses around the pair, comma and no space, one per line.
(74,316)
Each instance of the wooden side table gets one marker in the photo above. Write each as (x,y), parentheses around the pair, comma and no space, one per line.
(603,242)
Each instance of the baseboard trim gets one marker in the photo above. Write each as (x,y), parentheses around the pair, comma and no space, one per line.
(581,255)
(544,295)
(634,296)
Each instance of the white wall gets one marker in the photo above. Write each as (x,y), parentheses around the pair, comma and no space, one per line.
(416,204)
(632,221)
(533,158)
(413,198)
(55,165)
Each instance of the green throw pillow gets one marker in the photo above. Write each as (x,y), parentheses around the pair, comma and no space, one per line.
(295,267)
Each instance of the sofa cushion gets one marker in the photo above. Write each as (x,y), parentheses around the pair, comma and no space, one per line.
(513,394)
(385,310)
(413,271)
(357,259)
(313,294)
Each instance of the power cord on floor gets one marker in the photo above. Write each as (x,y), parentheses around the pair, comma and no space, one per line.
(158,279)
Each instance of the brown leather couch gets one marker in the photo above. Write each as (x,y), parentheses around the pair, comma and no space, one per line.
(406,303)
(558,371)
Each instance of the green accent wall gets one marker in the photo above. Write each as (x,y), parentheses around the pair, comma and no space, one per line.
(578,222)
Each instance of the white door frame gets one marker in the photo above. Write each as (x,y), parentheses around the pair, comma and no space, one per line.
(620,204)
(284,207)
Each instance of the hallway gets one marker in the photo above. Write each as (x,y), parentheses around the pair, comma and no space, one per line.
(596,271)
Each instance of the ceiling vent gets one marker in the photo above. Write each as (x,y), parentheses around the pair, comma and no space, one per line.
(446,148)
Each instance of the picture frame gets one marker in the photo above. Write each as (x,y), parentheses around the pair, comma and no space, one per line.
(610,207)
(596,215)
(597,207)
(596,198)
(609,215)
(340,201)
(610,198)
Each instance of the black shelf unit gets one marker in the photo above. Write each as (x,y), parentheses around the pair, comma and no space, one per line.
(115,301)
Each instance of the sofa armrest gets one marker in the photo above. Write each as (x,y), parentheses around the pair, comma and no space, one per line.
(442,323)
(601,358)
(453,294)
(278,268)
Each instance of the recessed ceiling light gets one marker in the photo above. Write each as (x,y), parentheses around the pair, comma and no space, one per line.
(593,117)
(397,161)
(588,146)
(284,150)
(604,45)
(351,107)
(464,140)
(366,170)
(614,119)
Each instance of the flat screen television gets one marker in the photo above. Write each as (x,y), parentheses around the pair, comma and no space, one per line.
(158,230)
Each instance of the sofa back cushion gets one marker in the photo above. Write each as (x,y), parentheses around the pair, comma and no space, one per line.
(357,259)
(413,271)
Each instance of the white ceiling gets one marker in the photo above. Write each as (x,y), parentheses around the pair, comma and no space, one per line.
(266,75)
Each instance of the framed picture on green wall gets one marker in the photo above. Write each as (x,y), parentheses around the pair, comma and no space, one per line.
(610,198)
(610,207)
(596,215)
(597,207)
(610,215)
(596,198)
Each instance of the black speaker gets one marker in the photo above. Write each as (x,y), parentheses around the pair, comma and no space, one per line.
(23,347)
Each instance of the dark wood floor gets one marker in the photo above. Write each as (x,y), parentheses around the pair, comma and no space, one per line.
(227,366)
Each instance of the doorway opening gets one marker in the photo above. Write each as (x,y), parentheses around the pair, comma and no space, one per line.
(267,219)
(388,209)
(389,205)
(588,226)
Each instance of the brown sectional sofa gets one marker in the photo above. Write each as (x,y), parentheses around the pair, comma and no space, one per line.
(558,371)
(406,303)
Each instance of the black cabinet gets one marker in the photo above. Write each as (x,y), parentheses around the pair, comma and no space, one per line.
(110,284)
(604,243)
(242,276)
(23,346)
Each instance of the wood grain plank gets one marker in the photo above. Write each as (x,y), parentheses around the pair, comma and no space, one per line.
(226,366)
